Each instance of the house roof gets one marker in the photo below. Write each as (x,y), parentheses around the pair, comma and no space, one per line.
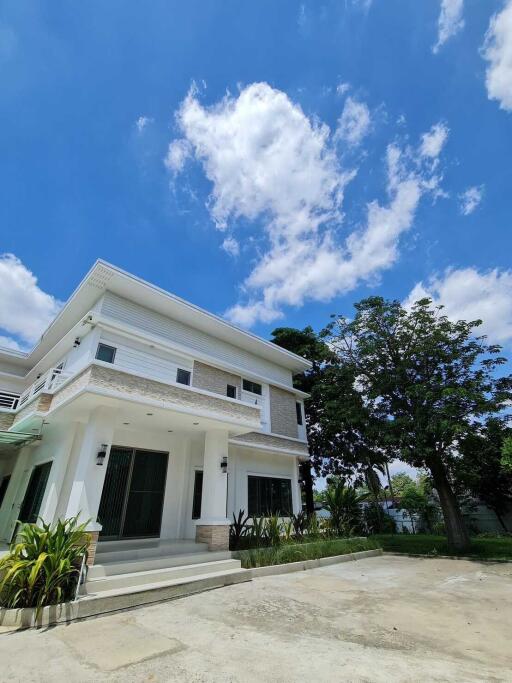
(104,276)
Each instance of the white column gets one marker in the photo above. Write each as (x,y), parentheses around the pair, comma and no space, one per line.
(88,478)
(213,503)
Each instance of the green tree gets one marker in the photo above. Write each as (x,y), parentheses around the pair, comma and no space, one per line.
(401,481)
(506,454)
(344,436)
(479,469)
(429,378)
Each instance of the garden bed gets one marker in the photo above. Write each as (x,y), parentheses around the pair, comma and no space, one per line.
(498,549)
(302,552)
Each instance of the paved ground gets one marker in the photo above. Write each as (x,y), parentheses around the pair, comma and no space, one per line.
(380,619)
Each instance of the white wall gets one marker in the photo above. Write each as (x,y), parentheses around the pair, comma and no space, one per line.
(156,324)
(139,358)
(243,462)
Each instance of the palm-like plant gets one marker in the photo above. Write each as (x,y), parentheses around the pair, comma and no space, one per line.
(43,564)
(344,506)
(238,529)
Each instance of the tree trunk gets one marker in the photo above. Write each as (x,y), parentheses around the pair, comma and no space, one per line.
(456,532)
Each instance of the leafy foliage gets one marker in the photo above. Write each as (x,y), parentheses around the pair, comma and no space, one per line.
(238,530)
(344,506)
(43,565)
(426,380)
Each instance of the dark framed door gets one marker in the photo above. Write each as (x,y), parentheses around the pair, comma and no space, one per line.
(3,487)
(132,499)
(34,494)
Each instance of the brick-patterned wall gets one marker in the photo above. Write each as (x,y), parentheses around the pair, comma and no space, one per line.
(6,420)
(283,416)
(271,441)
(215,380)
(40,404)
(72,387)
(217,536)
(129,384)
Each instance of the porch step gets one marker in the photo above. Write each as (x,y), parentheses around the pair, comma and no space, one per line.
(123,598)
(103,569)
(97,583)
(119,551)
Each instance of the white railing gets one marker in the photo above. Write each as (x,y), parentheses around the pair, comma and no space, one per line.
(8,400)
(47,383)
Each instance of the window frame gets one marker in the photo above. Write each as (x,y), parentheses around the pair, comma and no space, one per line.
(273,509)
(189,376)
(300,415)
(106,346)
(231,386)
(252,384)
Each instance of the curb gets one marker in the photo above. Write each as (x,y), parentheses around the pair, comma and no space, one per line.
(468,558)
(276,569)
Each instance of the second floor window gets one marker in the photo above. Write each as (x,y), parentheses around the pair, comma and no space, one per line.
(253,387)
(231,391)
(105,353)
(183,376)
(298,408)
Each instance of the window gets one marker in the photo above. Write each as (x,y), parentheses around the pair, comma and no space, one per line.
(105,353)
(198,494)
(253,387)
(269,495)
(298,408)
(183,376)
(231,391)
(3,488)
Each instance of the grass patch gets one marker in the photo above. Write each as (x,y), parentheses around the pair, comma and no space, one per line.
(299,552)
(423,544)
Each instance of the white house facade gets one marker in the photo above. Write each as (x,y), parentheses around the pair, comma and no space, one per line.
(147,417)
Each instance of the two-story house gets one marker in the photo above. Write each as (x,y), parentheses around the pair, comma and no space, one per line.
(148,417)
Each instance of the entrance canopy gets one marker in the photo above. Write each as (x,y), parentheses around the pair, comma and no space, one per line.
(16,439)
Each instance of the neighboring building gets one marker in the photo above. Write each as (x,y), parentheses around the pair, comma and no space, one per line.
(149,417)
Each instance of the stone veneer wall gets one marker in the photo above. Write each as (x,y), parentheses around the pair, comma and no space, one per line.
(283,415)
(215,380)
(40,404)
(6,420)
(124,383)
(216,535)
(270,441)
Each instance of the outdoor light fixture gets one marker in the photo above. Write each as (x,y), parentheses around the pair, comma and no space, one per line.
(101,455)
(77,342)
(224,464)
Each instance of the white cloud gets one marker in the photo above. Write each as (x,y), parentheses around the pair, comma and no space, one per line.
(10,343)
(231,246)
(177,154)
(450,21)
(26,311)
(433,142)
(267,160)
(354,122)
(470,199)
(342,88)
(468,294)
(497,50)
(142,122)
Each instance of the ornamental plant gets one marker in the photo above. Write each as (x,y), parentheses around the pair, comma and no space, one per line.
(43,565)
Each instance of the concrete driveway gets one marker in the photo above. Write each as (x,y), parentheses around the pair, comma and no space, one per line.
(380,619)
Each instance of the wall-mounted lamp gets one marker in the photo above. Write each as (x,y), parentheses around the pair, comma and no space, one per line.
(77,342)
(224,464)
(101,455)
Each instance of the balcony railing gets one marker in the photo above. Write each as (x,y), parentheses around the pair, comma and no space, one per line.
(8,400)
(47,384)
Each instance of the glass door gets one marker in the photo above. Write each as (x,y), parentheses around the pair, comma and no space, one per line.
(133,494)
(33,498)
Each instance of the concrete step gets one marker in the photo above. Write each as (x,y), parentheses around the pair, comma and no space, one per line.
(140,580)
(118,551)
(101,568)
(124,598)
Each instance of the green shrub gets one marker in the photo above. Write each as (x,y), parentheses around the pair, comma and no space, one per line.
(43,565)
(238,530)
(300,552)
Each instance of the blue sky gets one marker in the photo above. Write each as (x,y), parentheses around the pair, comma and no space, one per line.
(271,162)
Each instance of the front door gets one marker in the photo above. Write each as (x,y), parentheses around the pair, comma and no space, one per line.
(133,494)
(31,505)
